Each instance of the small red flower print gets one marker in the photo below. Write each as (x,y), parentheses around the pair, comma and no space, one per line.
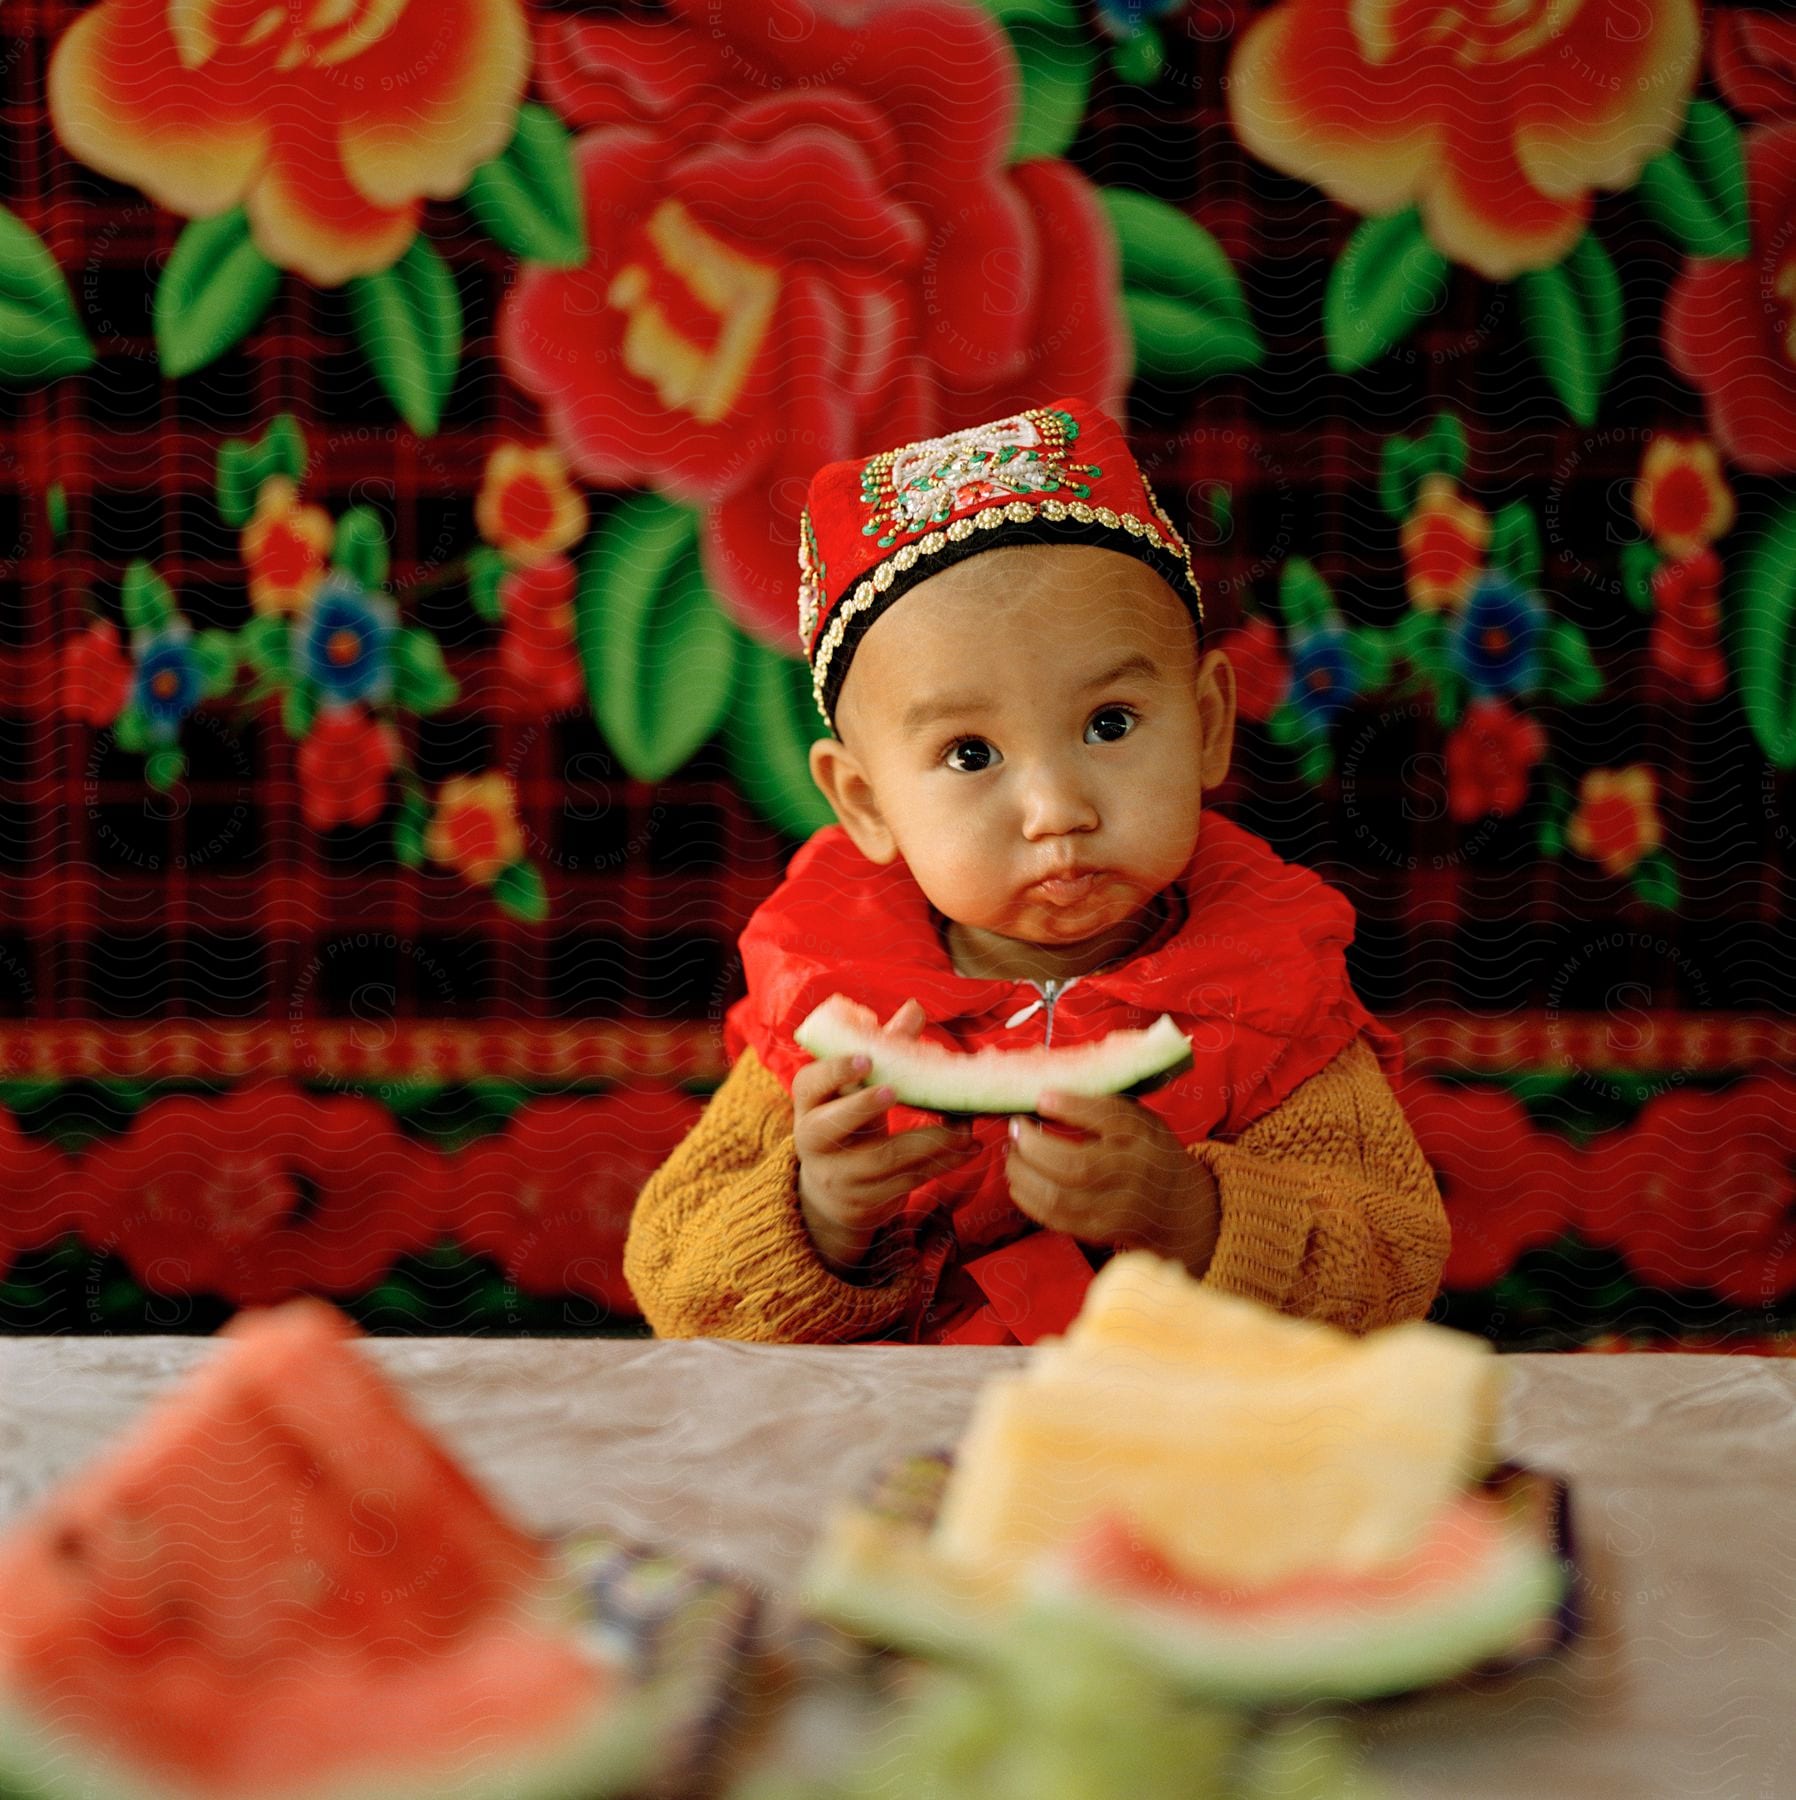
(1682,499)
(1489,758)
(344,766)
(96,674)
(286,547)
(1617,819)
(537,654)
(1686,639)
(526,506)
(475,828)
(1444,540)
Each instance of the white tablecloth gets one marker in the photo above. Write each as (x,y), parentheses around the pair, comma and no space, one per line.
(1683,1473)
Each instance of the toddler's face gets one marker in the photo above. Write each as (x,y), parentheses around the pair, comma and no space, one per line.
(1032,708)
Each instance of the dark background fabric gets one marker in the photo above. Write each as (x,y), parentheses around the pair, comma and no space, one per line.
(215,904)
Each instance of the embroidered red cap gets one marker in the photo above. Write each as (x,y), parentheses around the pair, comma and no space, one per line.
(874,527)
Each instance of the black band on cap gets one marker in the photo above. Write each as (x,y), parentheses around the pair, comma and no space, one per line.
(1037,530)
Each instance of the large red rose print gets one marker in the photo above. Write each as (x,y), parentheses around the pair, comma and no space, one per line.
(330,124)
(1496,117)
(804,243)
(1728,325)
(550,1198)
(262,1193)
(1753,56)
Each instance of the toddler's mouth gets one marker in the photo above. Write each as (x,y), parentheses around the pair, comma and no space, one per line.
(1063,890)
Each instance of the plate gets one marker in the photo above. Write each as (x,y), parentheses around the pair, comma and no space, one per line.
(687,1631)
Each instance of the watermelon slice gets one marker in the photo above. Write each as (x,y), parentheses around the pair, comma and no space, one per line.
(280,1585)
(935,1079)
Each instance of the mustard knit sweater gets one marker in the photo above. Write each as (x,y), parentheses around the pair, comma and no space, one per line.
(1328,1211)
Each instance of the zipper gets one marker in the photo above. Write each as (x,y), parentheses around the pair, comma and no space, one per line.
(1055,986)
(1050,991)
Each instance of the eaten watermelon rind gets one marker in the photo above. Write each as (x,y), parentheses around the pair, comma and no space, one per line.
(1136,1090)
(977,1083)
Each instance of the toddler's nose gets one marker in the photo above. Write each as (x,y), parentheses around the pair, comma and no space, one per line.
(1057,802)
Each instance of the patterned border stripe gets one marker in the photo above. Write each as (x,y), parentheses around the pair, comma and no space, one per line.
(1433,1042)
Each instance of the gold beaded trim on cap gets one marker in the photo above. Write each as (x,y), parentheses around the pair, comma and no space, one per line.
(1016,511)
(812,579)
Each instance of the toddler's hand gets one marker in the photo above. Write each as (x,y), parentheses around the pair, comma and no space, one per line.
(853,1173)
(1127,1181)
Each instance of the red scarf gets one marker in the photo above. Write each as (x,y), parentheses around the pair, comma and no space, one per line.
(1250,962)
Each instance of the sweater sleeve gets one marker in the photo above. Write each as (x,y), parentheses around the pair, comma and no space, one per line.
(1329,1209)
(717,1246)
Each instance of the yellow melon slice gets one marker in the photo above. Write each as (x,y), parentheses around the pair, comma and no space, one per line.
(1238,1462)
(1150,1301)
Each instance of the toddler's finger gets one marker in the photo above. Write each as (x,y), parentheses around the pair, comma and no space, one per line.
(927,1139)
(854,1079)
(818,1081)
(842,1119)
(908,1020)
(923,1149)
(816,1078)
(881,1173)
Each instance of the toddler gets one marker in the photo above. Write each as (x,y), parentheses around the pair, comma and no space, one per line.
(1006,642)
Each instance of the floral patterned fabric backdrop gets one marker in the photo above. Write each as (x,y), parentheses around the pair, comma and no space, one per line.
(401,706)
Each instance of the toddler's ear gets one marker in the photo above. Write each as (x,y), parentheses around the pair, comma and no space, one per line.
(1216,715)
(838,772)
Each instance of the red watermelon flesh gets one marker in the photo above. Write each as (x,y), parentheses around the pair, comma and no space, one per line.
(186,1725)
(1470,1589)
(276,1567)
(283,1493)
(1467,1536)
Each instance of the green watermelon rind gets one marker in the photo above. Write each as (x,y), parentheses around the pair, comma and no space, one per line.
(977,1083)
(612,1754)
(1361,1655)
(1136,1090)
(880,1580)
(909,1616)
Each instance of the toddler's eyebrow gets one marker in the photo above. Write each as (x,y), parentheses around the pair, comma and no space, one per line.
(942,706)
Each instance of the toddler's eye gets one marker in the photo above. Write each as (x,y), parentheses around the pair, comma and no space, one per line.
(977,746)
(1124,713)
(981,749)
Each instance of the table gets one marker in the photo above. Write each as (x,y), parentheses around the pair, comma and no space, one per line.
(1684,1494)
